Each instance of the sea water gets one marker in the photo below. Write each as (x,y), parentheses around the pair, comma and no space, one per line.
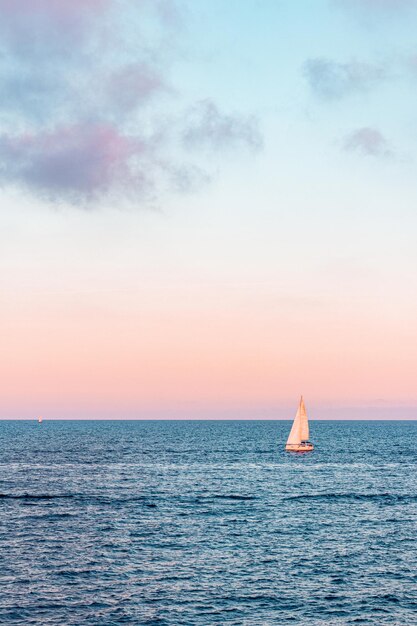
(187,522)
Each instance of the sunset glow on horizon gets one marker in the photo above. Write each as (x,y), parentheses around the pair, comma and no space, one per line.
(195,229)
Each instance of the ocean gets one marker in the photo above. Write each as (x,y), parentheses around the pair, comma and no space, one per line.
(204,522)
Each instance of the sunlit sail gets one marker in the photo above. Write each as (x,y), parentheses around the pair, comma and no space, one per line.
(299,434)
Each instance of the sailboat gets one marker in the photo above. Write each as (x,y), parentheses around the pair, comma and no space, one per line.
(40,419)
(298,438)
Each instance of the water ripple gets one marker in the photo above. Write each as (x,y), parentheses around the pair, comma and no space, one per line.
(204,523)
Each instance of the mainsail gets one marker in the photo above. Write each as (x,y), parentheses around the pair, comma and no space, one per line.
(304,421)
(299,431)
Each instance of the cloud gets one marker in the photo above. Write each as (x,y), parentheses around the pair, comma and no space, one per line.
(209,127)
(86,108)
(368,141)
(332,80)
(134,83)
(74,162)
(30,28)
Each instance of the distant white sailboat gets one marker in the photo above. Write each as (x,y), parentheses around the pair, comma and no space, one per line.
(298,439)
(40,419)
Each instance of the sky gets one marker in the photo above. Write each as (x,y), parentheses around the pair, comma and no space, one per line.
(208,208)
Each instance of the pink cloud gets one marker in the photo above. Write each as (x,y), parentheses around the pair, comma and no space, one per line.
(368,141)
(74,162)
(76,76)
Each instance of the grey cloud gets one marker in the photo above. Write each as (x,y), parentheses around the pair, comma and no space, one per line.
(41,30)
(332,80)
(209,127)
(62,60)
(133,85)
(368,141)
(188,178)
(85,108)
(75,163)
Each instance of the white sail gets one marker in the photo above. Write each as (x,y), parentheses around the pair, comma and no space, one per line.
(304,421)
(295,433)
(299,431)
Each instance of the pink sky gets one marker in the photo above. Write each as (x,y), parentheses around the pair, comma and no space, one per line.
(123,339)
(190,228)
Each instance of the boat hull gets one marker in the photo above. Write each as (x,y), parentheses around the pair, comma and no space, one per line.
(299,447)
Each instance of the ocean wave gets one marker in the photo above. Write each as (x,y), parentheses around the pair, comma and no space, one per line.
(79,498)
(359,497)
(233,496)
(30,496)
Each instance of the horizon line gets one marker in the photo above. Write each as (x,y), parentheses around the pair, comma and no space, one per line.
(200,419)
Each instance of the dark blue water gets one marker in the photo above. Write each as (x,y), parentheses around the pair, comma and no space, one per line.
(204,523)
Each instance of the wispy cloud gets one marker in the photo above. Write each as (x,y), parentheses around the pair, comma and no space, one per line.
(211,128)
(86,112)
(332,80)
(368,141)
